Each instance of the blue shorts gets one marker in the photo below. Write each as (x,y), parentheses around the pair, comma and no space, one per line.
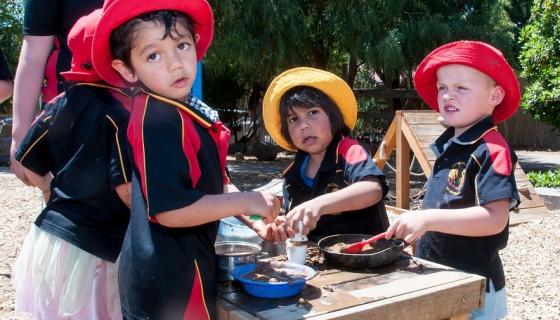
(495,305)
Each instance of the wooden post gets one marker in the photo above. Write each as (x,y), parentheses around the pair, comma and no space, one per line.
(403,165)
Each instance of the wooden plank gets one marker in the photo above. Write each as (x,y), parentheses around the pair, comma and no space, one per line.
(530,200)
(403,165)
(443,301)
(389,288)
(425,117)
(527,215)
(416,149)
(427,129)
(395,210)
(428,153)
(426,141)
(387,146)
(520,174)
(337,278)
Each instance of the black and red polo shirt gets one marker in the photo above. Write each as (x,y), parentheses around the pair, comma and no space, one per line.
(179,156)
(472,169)
(80,138)
(345,162)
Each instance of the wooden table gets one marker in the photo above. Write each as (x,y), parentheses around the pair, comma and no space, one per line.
(409,289)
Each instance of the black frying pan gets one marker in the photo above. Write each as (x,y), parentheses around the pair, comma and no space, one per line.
(386,252)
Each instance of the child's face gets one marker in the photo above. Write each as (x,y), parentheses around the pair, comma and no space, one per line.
(465,96)
(310,129)
(167,66)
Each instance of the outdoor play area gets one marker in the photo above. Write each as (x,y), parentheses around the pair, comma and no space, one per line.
(395,159)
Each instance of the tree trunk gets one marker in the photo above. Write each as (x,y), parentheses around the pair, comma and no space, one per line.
(351,71)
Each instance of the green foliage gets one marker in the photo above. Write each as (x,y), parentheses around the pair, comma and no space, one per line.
(546,179)
(11,18)
(540,60)
(360,40)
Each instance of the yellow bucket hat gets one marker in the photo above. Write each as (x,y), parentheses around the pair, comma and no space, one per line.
(328,83)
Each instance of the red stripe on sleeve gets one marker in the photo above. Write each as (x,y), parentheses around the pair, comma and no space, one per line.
(191,146)
(136,137)
(351,151)
(499,153)
(221,135)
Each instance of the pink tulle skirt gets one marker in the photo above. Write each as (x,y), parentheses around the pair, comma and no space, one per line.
(56,280)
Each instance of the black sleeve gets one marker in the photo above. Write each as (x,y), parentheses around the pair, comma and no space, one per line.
(34,152)
(42,17)
(5,73)
(120,168)
(166,178)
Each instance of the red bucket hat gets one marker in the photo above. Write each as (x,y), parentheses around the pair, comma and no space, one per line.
(80,41)
(117,12)
(477,55)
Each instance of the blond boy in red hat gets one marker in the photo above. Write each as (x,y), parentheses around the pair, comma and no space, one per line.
(76,153)
(465,212)
(167,266)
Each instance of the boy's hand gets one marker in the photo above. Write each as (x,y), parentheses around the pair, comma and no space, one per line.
(308,213)
(124,191)
(16,167)
(265,205)
(409,226)
(262,229)
(274,231)
(46,195)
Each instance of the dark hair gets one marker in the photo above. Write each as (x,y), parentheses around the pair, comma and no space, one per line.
(307,98)
(123,37)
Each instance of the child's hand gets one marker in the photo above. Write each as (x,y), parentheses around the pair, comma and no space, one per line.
(306,212)
(409,226)
(265,205)
(275,231)
(262,229)
(46,195)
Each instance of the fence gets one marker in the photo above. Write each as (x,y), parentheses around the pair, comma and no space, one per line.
(521,131)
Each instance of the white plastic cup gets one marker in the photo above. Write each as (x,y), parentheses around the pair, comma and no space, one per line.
(296,252)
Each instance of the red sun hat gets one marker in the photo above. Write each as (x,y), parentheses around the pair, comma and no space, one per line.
(80,41)
(118,12)
(478,55)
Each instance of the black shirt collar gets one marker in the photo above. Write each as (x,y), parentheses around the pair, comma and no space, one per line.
(200,117)
(471,136)
(328,164)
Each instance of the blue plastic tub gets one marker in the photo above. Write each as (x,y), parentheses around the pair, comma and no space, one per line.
(274,289)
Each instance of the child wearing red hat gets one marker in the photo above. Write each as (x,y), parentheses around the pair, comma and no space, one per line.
(76,153)
(465,212)
(167,267)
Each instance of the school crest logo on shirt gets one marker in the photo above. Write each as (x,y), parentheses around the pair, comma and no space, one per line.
(456,178)
(332,187)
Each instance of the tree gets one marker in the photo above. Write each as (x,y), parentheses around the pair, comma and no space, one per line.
(540,61)
(255,40)
(371,43)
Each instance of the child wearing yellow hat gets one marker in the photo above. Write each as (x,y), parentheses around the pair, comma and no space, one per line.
(333,186)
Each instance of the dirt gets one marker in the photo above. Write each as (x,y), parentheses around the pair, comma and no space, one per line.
(273,273)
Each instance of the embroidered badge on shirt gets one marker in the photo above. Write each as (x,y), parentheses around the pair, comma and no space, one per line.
(456,178)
